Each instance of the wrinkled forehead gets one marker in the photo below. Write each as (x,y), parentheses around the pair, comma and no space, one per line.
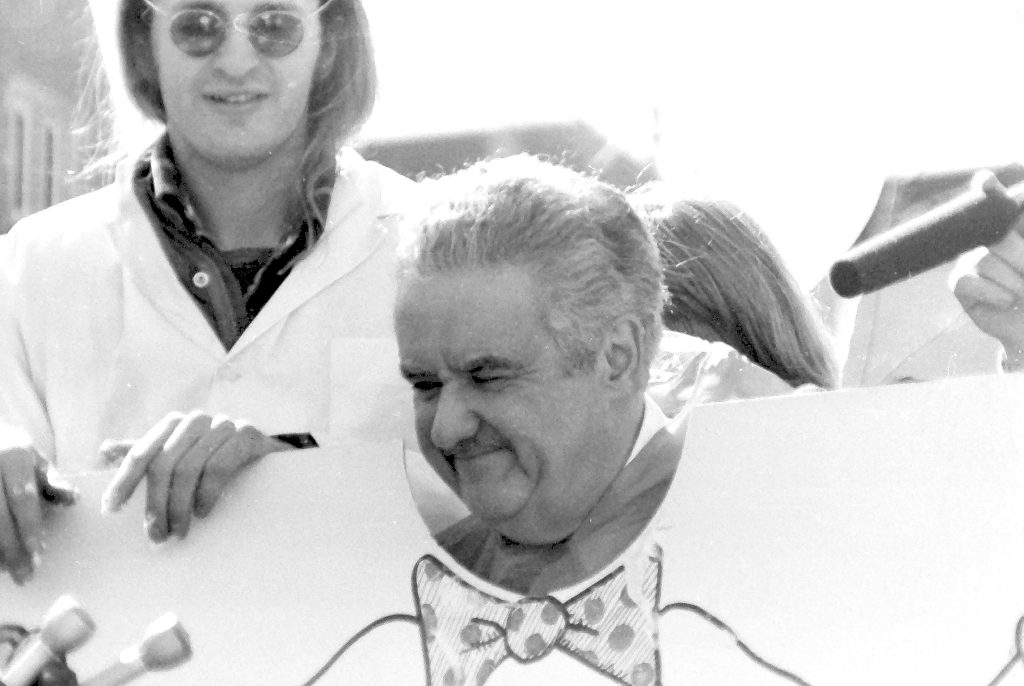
(474,309)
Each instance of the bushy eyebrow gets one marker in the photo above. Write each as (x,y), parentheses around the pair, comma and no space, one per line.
(473,366)
(412,374)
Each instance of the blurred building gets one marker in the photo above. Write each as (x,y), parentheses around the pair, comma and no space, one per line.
(44,62)
(42,57)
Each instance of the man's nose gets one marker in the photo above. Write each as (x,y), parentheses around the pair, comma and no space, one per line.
(454,420)
(236,55)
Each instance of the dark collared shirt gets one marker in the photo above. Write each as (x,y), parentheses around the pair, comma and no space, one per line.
(229,286)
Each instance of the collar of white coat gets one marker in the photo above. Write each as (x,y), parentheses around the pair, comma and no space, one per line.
(363,199)
(654,421)
(360,185)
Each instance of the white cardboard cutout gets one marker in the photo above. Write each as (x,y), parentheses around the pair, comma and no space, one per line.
(872,536)
(869,536)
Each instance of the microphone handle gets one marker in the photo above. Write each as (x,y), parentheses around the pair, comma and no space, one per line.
(117,674)
(981,216)
(27,665)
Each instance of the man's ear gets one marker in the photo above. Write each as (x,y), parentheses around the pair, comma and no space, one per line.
(622,353)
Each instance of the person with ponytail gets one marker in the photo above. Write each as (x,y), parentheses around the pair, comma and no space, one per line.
(742,326)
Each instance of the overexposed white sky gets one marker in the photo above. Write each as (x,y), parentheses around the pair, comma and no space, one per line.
(796,110)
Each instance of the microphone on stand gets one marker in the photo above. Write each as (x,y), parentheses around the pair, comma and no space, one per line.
(981,216)
(165,645)
(65,627)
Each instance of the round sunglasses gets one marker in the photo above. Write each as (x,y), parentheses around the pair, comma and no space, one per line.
(199,32)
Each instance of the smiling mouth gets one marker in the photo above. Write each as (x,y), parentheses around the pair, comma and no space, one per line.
(236,99)
(453,459)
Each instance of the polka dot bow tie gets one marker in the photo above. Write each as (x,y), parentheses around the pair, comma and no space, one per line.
(468,633)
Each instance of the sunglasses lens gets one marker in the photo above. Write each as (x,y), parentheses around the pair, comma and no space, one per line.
(197,32)
(275,33)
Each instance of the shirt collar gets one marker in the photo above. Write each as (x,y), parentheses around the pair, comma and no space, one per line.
(167,186)
(166,179)
(169,190)
(654,421)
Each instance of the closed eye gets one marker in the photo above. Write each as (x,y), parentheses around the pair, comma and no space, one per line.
(488,379)
(422,383)
(426,386)
(492,372)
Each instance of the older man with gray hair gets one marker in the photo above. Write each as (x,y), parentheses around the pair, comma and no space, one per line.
(528,314)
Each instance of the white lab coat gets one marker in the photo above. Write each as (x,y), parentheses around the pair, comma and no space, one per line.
(99,340)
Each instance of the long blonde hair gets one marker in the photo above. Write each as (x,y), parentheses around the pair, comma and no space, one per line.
(727,281)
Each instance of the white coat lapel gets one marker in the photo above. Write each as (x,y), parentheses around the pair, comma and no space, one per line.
(148,269)
(355,229)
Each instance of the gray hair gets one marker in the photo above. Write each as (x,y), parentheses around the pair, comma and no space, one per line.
(587,249)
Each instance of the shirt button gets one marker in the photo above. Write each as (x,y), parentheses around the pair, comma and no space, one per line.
(201,279)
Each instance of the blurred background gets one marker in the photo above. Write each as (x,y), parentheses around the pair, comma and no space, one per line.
(798,111)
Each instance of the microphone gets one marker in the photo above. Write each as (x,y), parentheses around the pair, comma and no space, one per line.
(981,216)
(165,645)
(66,626)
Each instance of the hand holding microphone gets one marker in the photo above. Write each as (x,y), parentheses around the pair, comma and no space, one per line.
(991,291)
(982,216)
